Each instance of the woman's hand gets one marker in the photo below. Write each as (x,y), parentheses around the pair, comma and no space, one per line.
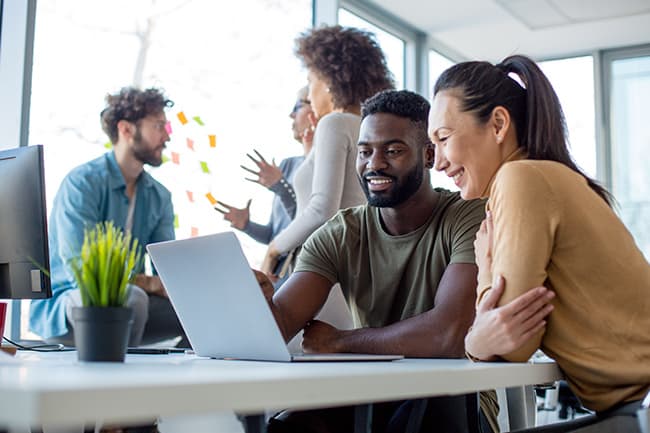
(501,330)
(483,246)
(269,174)
(238,217)
(270,262)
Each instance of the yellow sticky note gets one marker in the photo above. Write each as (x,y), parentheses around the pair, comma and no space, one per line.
(165,159)
(213,140)
(204,167)
(210,197)
(175,221)
(108,145)
(182,118)
(198,120)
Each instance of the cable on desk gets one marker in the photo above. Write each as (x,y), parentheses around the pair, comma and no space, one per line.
(41,347)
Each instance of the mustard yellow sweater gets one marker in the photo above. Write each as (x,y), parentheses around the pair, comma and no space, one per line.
(551,228)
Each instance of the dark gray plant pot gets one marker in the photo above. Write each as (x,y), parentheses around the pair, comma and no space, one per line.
(102,333)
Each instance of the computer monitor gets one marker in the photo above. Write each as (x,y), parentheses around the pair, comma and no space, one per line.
(23,225)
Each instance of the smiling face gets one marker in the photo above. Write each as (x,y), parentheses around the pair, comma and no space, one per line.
(466,150)
(390,162)
(319,95)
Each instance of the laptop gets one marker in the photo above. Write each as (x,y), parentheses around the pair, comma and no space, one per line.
(220,304)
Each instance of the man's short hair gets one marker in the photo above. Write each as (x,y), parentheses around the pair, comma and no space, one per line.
(131,104)
(401,103)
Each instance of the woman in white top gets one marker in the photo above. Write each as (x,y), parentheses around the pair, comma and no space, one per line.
(345,67)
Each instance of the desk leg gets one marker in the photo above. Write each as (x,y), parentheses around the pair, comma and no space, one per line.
(363,418)
(416,416)
(254,424)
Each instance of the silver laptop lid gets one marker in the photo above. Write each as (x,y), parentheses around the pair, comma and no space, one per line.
(217,299)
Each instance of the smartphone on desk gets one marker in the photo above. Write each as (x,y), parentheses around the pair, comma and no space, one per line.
(154,350)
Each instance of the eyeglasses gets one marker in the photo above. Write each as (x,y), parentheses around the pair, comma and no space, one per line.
(299,104)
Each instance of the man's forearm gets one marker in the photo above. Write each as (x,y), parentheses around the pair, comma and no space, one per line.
(420,336)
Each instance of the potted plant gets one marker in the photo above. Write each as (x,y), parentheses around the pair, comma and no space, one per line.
(102,272)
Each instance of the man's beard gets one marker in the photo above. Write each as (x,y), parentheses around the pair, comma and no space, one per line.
(399,192)
(142,151)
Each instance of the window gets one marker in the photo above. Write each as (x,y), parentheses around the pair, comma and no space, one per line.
(230,70)
(629,138)
(392,46)
(573,81)
(437,65)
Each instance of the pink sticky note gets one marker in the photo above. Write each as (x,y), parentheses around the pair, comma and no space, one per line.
(168,128)
(190,196)
(190,143)
(176,158)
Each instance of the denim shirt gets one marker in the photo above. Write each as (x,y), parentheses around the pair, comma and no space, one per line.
(92,193)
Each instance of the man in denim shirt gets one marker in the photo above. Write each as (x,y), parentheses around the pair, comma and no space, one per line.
(114,187)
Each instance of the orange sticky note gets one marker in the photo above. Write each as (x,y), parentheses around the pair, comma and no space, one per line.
(210,197)
(176,158)
(190,196)
(182,118)
(190,143)
(195,232)
(213,140)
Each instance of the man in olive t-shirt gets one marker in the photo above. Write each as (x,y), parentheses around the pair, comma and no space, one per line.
(405,263)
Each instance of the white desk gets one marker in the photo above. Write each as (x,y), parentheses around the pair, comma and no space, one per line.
(54,389)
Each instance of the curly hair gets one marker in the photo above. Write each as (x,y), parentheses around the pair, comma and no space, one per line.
(401,103)
(349,60)
(131,104)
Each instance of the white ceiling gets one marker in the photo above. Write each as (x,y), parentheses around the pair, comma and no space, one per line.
(543,29)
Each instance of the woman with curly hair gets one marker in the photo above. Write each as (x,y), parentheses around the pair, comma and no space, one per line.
(345,67)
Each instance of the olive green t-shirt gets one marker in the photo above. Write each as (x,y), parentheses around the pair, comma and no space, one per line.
(387,278)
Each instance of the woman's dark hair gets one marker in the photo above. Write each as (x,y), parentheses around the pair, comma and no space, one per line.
(348,59)
(533,106)
(402,103)
(133,105)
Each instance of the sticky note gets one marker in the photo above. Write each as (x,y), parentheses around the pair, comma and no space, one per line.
(190,196)
(165,159)
(190,143)
(204,167)
(182,118)
(195,232)
(198,120)
(168,128)
(176,158)
(175,221)
(213,140)
(108,145)
(210,197)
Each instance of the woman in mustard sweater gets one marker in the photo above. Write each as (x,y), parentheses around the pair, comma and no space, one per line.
(500,133)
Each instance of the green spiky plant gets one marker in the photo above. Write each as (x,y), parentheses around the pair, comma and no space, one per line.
(105,266)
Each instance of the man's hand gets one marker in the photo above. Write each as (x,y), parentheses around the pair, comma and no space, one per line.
(501,330)
(320,337)
(269,174)
(483,246)
(150,284)
(238,217)
(265,285)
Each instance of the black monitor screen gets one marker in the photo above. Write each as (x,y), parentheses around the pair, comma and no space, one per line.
(23,225)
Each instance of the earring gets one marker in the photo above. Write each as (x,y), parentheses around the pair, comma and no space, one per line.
(327,89)
(499,139)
